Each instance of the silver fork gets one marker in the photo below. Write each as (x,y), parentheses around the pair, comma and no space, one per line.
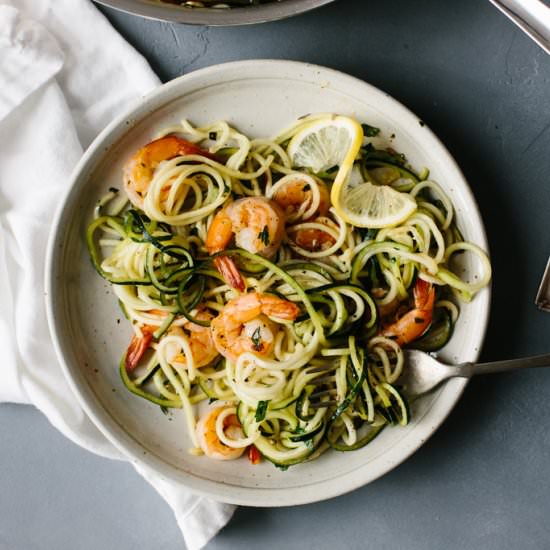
(423,373)
(542,301)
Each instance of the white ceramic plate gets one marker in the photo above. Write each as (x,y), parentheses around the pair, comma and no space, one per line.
(260,98)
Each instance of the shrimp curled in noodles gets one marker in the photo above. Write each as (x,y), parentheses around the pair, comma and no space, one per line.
(313,238)
(301,197)
(304,198)
(256,224)
(138,346)
(416,321)
(200,342)
(243,324)
(208,437)
(139,170)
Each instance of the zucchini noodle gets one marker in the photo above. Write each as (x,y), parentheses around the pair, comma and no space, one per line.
(317,364)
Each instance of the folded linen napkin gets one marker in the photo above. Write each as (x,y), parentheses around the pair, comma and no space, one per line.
(64,74)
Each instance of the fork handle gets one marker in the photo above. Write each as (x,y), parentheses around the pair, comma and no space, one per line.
(469,369)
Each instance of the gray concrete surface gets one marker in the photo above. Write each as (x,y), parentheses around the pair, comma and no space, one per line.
(483,481)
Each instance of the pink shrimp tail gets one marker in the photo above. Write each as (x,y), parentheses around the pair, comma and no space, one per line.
(282,309)
(424,295)
(230,273)
(138,347)
(415,322)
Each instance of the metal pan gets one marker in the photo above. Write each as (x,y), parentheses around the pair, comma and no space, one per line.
(216,17)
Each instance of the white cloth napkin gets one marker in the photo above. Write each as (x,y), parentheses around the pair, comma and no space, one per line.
(64,74)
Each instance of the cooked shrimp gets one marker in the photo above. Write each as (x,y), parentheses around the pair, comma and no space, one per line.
(416,321)
(304,198)
(243,324)
(209,440)
(138,346)
(313,239)
(200,342)
(139,170)
(199,338)
(257,225)
(301,197)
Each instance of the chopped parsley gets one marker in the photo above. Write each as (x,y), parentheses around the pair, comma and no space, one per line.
(263,235)
(370,131)
(256,339)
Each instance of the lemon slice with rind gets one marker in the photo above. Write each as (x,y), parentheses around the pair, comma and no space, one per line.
(373,206)
(333,140)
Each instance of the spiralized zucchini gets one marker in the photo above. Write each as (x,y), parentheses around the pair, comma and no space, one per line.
(331,376)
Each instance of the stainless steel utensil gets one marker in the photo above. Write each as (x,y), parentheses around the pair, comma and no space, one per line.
(215,17)
(531,16)
(423,372)
(542,299)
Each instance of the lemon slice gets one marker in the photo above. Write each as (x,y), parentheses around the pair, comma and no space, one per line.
(335,140)
(332,140)
(373,206)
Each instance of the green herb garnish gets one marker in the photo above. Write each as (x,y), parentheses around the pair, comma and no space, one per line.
(263,235)
(370,131)
(256,339)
